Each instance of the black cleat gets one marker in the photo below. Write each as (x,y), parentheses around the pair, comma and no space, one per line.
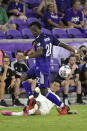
(81,102)
(3,103)
(18,103)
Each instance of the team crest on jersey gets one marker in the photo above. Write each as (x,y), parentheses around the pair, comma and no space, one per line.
(47,39)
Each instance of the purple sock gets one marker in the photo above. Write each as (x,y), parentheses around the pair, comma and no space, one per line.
(27,87)
(52,97)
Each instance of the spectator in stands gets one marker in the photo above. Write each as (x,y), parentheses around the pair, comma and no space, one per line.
(51,19)
(84,11)
(19,67)
(62,6)
(16,8)
(7,79)
(73,80)
(4,24)
(73,17)
(83,75)
(42,9)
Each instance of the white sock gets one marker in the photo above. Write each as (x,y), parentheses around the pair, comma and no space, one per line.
(66,101)
(31,96)
(17,113)
(37,89)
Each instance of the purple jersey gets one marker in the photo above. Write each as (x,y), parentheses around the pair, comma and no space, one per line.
(54,17)
(46,42)
(75,18)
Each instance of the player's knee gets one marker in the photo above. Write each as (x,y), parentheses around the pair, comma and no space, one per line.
(44,91)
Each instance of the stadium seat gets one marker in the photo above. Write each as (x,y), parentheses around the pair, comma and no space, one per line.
(54,65)
(13,34)
(21,24)
(33,3)
(28,13)
(46,31)
(74,33)
(32,19)
(2,35)
(59,33)
(26,34)
(54,68)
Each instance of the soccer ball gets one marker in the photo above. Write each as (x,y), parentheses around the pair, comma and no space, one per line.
(64,71)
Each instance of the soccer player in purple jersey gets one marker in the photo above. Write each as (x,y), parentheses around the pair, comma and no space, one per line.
(43,45)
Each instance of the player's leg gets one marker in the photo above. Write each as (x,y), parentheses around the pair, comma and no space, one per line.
(85,75)
(22,113)
(79,92)
(28,89)
(65,83)
(8,113)
(44,84)
(15,85)
(2,93)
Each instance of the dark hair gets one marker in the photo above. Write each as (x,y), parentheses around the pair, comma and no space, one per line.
(36,23)
(20,51)
(48,7)
(74,1)
(5,56)
(72,55)
(82,46)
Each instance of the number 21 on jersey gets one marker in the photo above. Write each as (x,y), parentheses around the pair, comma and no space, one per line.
(48,49)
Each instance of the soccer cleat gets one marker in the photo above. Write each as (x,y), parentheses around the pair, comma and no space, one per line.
(64,110)
(18,103)
(32,102)
(3,103)
(81,102)
(6,113)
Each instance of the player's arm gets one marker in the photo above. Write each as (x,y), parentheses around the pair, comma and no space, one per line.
(56,42)
(24,77)
(36,53)
(67,47)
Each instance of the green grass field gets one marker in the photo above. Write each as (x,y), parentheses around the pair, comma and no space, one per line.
(51,122)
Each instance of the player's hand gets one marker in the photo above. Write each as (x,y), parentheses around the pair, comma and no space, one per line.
(5,67)
(74,67)
(81,53)
(23,57)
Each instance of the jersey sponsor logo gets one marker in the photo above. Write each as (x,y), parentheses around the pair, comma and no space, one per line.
(54,16)
(75,19)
